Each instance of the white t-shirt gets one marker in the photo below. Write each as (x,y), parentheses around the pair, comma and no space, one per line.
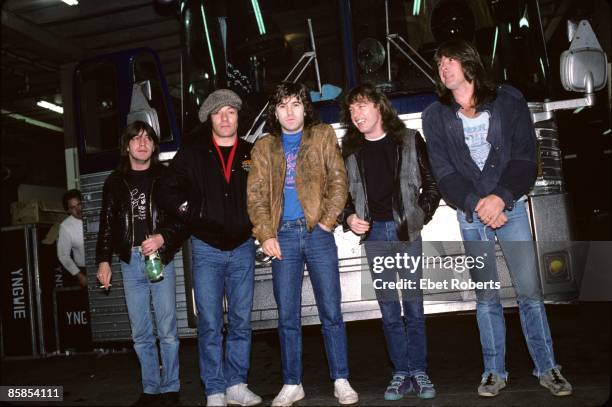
(71,240)
(475,130)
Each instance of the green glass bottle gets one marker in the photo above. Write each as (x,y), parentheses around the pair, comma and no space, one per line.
(154,267)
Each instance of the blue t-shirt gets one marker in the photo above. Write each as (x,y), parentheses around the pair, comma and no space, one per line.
(292,209)
(475,130)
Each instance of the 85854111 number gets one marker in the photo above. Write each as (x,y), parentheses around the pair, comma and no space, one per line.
(31,393)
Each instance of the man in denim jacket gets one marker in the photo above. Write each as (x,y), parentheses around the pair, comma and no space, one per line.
(482,149)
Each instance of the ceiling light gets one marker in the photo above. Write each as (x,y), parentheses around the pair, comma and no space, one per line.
(495,47)
(31,121)
(258,18)
(210,50)
(50,106)
(71,2)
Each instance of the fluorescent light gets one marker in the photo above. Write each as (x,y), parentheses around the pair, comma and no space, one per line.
(71,2)
(210,50)
(31,121)
(494,47)
(50,106)
(416,7)
(260,24)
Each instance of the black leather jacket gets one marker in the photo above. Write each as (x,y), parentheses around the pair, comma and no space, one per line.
(408,222)
(116,232)
(215,211)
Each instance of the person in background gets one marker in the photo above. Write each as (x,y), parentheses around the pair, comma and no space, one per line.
(70,243)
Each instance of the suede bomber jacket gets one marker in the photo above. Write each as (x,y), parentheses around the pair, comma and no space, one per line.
(320,181)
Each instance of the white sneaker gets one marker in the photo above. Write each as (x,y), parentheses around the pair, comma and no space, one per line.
(344,392)
(289,394)
(217,399)
(241,395)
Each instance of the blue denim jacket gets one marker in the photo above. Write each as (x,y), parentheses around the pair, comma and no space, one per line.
(510,169)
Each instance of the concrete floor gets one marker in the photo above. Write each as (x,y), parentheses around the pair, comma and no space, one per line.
(581,334)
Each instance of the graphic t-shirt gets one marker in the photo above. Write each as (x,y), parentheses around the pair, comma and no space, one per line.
(475,130)
(140,185)
(292,208)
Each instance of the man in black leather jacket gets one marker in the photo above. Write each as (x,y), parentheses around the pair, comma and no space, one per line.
(132,227)
(392,194)
(206,187)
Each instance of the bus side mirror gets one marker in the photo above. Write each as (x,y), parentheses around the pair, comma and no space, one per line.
(140,108)
(584,66)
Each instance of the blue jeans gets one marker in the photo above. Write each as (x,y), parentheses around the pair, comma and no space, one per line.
(405,336)
(517,245)
(217,273)
(316,249)
(139,293)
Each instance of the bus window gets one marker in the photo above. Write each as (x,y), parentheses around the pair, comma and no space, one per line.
(99,115)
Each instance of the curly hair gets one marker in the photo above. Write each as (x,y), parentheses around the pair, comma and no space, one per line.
(473,70)
(285,90)
(391,123)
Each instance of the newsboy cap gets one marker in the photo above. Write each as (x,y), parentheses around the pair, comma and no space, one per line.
(216,100)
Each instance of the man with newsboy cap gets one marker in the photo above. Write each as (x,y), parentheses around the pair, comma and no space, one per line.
(206,188)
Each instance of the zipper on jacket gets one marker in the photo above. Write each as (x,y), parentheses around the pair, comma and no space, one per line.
(131,210)
(396,178)
(361,169)
(151,206)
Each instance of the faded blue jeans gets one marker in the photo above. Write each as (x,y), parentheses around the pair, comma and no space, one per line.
(217,273)
(317,249)
(517,245)
(139,294)
(405,336)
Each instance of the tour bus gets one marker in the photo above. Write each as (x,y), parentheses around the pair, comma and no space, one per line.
(332,46)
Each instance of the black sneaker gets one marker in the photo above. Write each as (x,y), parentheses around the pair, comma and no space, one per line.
(146,399)
(170,398)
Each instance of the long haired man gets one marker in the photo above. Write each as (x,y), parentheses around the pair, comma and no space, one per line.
(482,148)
